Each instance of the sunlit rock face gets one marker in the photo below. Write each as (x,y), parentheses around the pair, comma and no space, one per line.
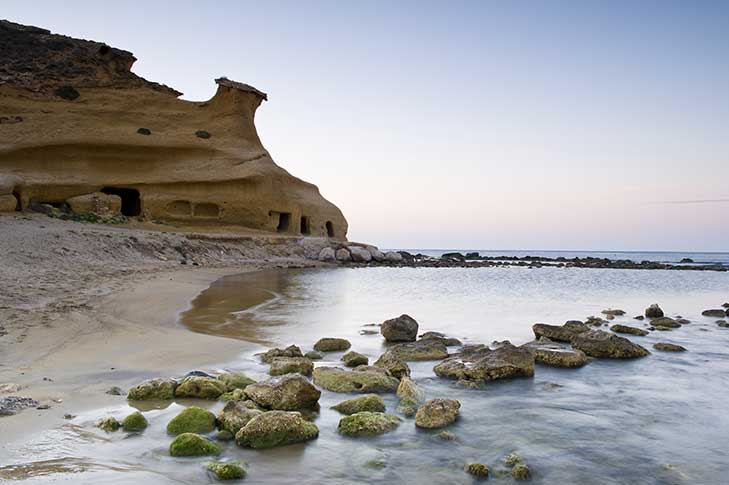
(74,120)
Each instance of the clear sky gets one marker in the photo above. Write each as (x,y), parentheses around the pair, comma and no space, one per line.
(493,125)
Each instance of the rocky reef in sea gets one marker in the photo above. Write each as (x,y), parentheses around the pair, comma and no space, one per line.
(79,131)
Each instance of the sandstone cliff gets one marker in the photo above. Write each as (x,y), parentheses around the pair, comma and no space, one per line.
(74,121)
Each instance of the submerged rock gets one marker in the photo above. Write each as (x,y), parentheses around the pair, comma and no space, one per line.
(191,444)
(614,313)
(665,322)
(478,364)
(353,359)
(428,349)
(109,424)
(446,436)
(653,311)
(478,470)
(370,402)
(192,420)
(367,423)
(401,329)
(289,365)
(230,470)
(134,422)
(666,347)
(200,387)
(513,459)
(629,330)
(559,333)
(408,406)
(329,344)
(235,415)
(521,472)
(235,380)
(276,428)
(153,389)
(437,413)
(290,351)
(447,341)
(723,323)
(598,343)
(115,391)
(339,380)
(718,312)
(395,366)
(313,355)
(288,393)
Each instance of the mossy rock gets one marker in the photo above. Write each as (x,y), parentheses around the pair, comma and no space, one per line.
(109,424)
(192,420)
(235,380)
(353,359)
(339,380)
(370,402)
(191,444)
(437,413)
(395,366)
(290,365)
(234,395)
(513,459)
(224,435)
(329,344)
(408,407)
(236,414)
(153,389)
(200,387)
(276,428)
(521,472)
(134,422)
(408,389)
(478,470)
(367,423)
(231,470)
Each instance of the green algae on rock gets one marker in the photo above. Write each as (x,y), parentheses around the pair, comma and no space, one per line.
(191,444)
(192,420)
(153,389)
(521,472)
(370,402)
(276,428)
(200,387)
(478,470)
(109,424)
(228,470)
(328,344)
(395,366)
(287,393)
(134,422)
(236,414)
(235,380)
(289,365)
(353,359)
(368,423)
(437,413)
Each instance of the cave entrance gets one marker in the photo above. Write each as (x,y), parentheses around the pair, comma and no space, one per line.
(305,225)
(18,201)
(131,203)
(330,229)
(284,219)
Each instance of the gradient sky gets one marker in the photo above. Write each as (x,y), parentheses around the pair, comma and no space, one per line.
(491,125)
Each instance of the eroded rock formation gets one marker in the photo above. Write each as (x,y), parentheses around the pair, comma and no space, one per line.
(74,121)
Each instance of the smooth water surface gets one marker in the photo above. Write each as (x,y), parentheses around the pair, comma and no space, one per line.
(657,420)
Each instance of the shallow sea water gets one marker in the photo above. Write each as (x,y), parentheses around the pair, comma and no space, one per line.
(657,420)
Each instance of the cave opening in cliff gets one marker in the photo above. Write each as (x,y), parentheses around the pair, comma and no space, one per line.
(18,201)
(131,203)
(284,219)
(305,225)
(330,229)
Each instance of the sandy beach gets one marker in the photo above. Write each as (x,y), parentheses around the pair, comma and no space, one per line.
(73,331)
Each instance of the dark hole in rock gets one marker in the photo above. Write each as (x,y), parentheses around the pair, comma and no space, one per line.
(202,134)
(104,50)
(144,131)
(284,218)
(67,92)
(305,225)
(18,201)
(330,229)
(131,203)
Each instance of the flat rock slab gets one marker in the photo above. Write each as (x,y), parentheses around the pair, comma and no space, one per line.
(479,363)
(556,355)
(617,328)
(425,349)
(339,380)
(559,333)
(601,344)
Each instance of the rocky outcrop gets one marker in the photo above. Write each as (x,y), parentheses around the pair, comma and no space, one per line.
(80,122)
(477,364)
(401,329)
(288,393)
(598,343)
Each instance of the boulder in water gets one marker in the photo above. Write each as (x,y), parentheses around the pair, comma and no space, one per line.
(653,311)
(109,424)
(227,470)
(134,422)
(359,254)
(290,351)
(200,387)
(367,423)
(191,444)
(395,366)
(339,380)
(329,344)
(235,415)
(666,347)
(235,380)
(437,413)
(192,420)
(598,343)
(370,402)
(153,389)
(665,322)
(276,428)
(617,328)
(477,364)
(353,359)
(715,313)
(558,333)
(290,365)
(478,470)
(428,349)
(408,389)
(548,353)
(401,329)
(288,393)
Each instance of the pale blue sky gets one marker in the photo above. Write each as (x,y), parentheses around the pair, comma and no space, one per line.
(504,125)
